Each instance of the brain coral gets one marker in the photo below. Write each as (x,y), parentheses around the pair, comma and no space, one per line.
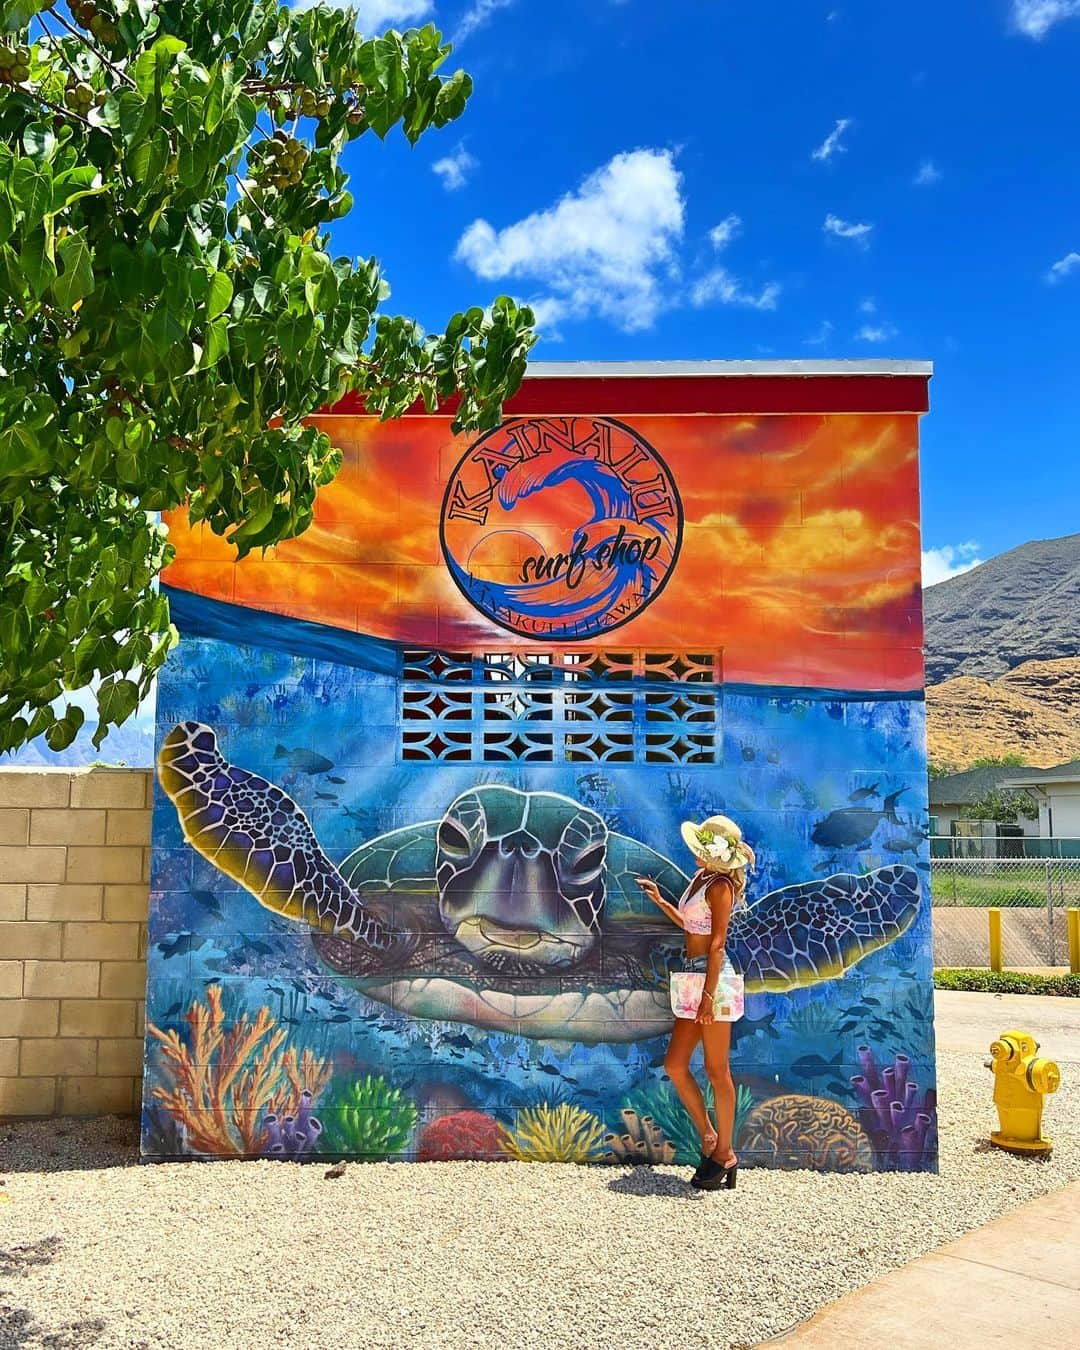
(795,1131)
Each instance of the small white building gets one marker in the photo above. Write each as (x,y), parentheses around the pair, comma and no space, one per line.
(951,793)
(1057,791)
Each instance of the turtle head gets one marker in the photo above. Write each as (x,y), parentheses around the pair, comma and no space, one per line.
(521,878)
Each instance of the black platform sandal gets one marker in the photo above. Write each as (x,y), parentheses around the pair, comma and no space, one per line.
(715,1177)
(703,1161)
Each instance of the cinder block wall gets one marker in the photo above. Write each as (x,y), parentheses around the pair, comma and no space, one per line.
(74,868)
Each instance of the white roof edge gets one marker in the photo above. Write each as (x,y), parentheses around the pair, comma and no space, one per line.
(613,369)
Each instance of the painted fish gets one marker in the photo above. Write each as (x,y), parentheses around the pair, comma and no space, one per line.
(209,902)
(181,945)
(331,779)
(304,761)
(813,1066)
(754,1026)
(852,826)
(460,1040)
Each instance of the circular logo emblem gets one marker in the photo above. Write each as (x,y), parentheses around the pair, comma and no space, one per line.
(561,527)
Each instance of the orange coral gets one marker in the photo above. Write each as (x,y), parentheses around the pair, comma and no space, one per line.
(227,1080)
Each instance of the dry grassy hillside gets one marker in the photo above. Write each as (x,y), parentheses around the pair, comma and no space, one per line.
(1033,711)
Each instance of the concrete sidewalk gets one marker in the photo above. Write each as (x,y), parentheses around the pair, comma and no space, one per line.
(1014,1283)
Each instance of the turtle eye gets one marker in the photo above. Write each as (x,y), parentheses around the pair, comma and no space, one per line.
(589,863)
(453,840)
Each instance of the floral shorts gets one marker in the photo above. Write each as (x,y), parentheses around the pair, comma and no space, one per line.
(688,984)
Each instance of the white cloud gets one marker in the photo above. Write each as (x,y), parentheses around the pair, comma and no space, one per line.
(875,332)
(939,564)
(927,174)
(454,169)
(478,13)
(1063,267)
(842,229)
(822,335)
(1035,18)
(721,235)
(868,306)
(607,248)
(720,285)
(376,16)
(831,144)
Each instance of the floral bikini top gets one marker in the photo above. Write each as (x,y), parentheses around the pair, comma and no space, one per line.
(694,908)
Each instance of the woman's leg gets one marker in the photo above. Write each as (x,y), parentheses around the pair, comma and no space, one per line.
(684,1039)
(716,1039)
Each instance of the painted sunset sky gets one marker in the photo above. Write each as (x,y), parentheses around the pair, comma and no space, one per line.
(800,559)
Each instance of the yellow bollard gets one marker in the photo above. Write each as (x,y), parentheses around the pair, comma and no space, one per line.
(1073,917)
(1021,1080)
(995,939)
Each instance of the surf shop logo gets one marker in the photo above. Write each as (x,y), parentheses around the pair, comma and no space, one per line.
(561,527)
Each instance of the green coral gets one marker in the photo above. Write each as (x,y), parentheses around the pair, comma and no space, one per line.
(554,1134)
(673,1120)
(366,1118)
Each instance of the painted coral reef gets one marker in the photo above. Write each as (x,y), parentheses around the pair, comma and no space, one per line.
(554,1134)
(901,1121)
(229,1085)
(641,1141)
(368,1118)
(462,1134)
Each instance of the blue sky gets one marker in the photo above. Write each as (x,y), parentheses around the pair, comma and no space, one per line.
(777,179)
(660,176)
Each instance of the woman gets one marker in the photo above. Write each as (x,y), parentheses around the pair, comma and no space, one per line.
(705,1008)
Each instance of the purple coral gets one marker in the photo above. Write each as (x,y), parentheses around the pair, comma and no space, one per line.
(902,1129)
(291,1136)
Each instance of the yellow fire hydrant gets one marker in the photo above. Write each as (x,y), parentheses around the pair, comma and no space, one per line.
(1022,1079)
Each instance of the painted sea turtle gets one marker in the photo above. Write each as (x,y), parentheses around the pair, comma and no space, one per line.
(514,910)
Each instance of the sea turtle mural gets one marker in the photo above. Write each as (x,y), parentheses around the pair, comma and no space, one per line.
(514,910)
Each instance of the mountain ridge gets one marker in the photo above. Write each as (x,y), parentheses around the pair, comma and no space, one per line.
(1003,657)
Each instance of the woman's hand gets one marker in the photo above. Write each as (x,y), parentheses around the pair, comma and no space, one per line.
(650,889)
(705,1016)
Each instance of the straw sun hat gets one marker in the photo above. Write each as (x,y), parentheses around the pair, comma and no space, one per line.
(717,843)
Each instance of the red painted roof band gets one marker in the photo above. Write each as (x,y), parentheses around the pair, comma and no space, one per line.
(689,394)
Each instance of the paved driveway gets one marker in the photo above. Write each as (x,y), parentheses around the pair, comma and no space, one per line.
(970,1022)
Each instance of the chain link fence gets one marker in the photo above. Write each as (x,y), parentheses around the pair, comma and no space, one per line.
(993,847)
(1033,896)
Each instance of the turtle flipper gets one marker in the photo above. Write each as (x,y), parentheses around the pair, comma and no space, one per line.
(818,930)
(255,833)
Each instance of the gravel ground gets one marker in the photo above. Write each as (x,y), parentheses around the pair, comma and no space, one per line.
(96,1250)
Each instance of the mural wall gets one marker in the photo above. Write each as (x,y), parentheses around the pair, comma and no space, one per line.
(410,764)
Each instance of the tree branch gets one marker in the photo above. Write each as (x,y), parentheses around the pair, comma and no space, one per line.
(81,37)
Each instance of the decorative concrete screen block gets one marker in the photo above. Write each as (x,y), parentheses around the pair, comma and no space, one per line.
(410,765)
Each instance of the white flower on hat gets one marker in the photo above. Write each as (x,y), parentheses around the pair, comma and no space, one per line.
(720,847)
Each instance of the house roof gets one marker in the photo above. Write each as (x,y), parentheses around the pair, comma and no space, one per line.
(970,785)
(1059,773)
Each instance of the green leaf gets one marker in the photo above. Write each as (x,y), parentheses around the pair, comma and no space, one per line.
(36,261)
(77,279)
(146,162)
(118,699)
(152,70)
(31,189)
(82,181)
(452,97)
(62,732)
(216,343)
(39,140)
(220,295)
